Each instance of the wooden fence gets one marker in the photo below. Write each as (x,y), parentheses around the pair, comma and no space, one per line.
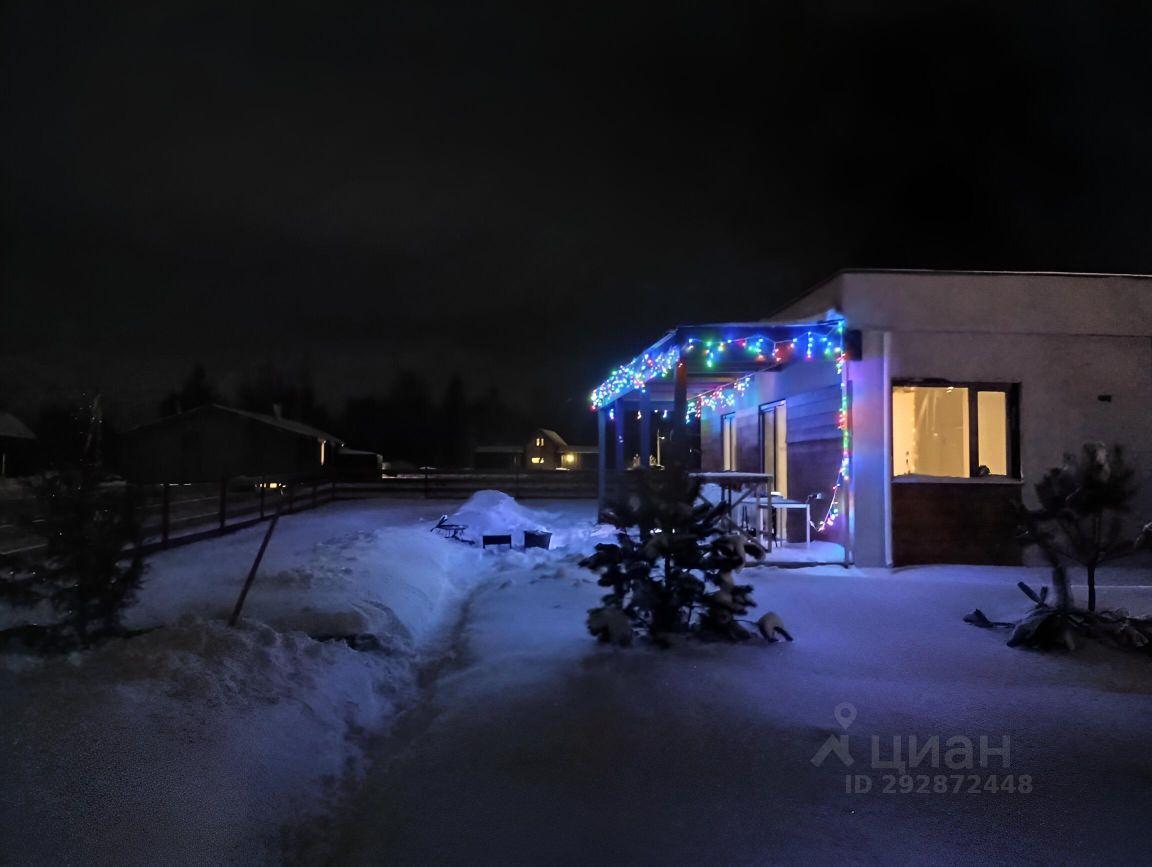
(449,485)
(176,514)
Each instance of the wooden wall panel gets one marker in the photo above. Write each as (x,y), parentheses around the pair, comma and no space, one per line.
(955,523)
(812,468)
(813,415)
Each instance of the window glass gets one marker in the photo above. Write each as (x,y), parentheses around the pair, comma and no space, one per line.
(992,430)
(930,430)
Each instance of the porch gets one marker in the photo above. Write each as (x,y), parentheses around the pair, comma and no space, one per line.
(765,398)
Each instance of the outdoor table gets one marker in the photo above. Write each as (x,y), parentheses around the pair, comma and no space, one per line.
(782,505)
(732,480)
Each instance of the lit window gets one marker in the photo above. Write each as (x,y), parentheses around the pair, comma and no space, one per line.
(323,451)
(539,441)
(537,460)
(951,430)
(569,458)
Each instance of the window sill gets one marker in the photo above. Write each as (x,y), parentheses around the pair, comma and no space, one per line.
(915,479)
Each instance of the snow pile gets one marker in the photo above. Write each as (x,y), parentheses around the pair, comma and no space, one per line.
(196,740)
(491,513)
(393,582)
(210,665)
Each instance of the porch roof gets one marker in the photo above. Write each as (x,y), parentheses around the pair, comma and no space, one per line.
(717,355)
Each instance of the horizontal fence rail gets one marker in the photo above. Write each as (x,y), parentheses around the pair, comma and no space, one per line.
(449,485)
(174,514)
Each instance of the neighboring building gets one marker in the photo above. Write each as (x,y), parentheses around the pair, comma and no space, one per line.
(498,457)
(545,450)
(214,442)
(358,464)
(16,444)
(919,405)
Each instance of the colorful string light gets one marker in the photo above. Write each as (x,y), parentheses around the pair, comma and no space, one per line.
(634,375)
(724,397)
(720,398)
(764,349)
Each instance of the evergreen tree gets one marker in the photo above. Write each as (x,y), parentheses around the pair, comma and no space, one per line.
(87,526)
(1082,509)
(671,569)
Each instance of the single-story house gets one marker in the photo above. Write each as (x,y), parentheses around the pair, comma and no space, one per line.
(214,442)
(910,408)
(545,450)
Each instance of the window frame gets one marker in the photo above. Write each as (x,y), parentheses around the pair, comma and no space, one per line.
(762,411)
(728,455)
(1011,392)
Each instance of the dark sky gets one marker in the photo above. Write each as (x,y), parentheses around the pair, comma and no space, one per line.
(529,193)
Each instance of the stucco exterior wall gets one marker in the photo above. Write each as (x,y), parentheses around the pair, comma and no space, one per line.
(1062,378)
(995,303)
(871,469)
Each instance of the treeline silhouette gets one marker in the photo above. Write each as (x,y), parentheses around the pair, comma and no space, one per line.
(409,421)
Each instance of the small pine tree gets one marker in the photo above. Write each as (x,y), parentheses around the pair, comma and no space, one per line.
(671,568)
(1081,514)
(88,527)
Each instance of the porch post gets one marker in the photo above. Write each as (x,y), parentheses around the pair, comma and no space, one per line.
(678,438)
(618,437)
(645,432)
(601,456)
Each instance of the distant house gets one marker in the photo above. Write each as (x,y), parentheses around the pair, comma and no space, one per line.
(214,442)
(545,450)
(16,442)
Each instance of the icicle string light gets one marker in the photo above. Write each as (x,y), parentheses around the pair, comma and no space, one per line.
(830,343)
(641,370)
(836,498)
(635,375)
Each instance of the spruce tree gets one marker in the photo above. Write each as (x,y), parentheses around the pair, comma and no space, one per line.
(671,568)
(90,568)
(1083,505)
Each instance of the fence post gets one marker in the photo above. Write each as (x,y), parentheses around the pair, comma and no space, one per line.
(263,488)
(223,502)
(516,484)
(332,491)
(425,483)
(165,499)
(291,494)
(315,484)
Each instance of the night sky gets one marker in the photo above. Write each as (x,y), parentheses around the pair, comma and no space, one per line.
(529,193)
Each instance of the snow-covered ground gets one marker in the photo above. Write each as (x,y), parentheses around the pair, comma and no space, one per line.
(517,739)
(198,743)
